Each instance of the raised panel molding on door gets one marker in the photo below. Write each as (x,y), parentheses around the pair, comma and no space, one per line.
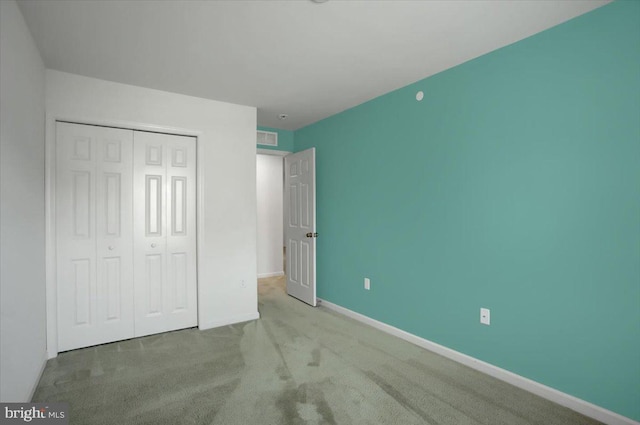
(94,235)
(300,225)
(165,232)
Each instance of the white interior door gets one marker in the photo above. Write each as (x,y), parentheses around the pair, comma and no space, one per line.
(165,232)
(300,224)
(94,235)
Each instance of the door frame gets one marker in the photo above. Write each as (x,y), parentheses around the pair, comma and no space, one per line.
(50,209)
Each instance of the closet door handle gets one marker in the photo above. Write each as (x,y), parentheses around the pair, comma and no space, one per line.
(110,247)
(153,245)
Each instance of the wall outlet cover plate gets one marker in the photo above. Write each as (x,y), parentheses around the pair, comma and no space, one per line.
(485,316)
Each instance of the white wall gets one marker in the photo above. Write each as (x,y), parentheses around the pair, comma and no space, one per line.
(227,285)
(22,233)
(270,238)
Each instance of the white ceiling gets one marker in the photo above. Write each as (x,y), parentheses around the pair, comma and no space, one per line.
(305,59)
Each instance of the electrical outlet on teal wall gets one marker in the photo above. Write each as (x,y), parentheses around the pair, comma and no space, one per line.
(515,184)
(285,139)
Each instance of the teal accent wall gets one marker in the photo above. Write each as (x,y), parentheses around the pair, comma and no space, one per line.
(285,139)
(514,185)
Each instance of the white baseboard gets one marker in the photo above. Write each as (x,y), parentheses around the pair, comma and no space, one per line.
(229,321)
(272,274)
(563,399)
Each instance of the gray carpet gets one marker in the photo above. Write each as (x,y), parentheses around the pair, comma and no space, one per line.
(296,365)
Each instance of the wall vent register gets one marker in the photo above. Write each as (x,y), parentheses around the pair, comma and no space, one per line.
(267,138)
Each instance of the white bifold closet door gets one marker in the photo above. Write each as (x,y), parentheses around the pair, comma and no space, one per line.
(94,235)
(164,232)
(125,234)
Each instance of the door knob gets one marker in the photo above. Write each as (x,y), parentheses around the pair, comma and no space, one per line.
(312,235)
(153,245)
(110,247)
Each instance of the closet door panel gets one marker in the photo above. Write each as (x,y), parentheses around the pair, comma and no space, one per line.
(149,231)
(181,237)
(93,235)
(165,284)
(114,227)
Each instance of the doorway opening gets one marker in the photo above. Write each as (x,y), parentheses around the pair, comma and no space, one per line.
(271,254)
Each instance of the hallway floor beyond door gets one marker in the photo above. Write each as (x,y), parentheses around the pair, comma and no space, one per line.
(296,365)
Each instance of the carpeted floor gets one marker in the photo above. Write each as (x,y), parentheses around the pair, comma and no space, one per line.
(296,365)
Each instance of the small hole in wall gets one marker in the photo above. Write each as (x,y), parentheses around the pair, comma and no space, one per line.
(419,96)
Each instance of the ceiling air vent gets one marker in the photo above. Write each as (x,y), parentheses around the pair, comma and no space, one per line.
(268,138)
